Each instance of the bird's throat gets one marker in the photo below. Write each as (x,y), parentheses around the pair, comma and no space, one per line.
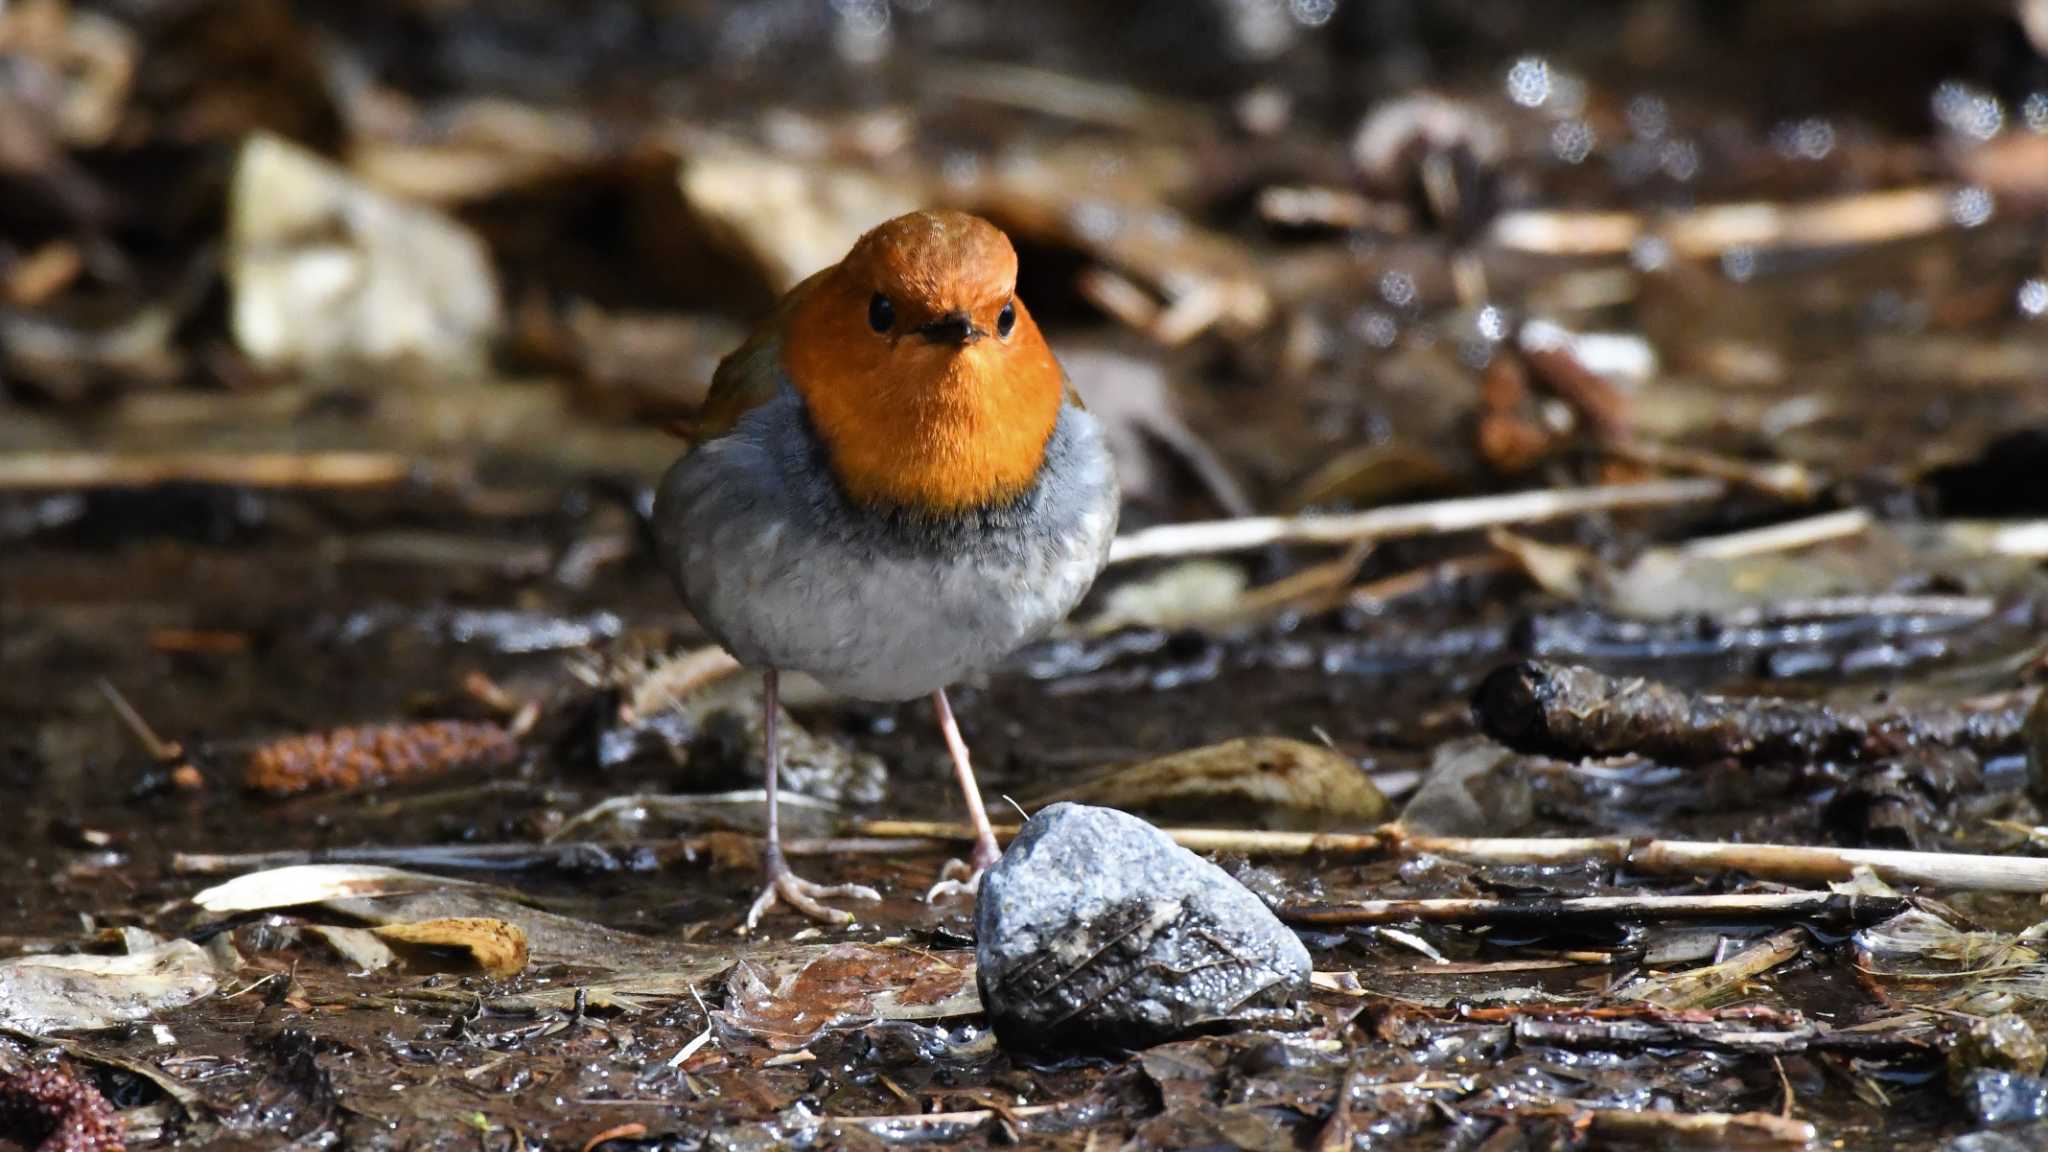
(943,432)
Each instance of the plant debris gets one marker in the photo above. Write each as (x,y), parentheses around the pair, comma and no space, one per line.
(1562,710)
(52,1110)
(372,756)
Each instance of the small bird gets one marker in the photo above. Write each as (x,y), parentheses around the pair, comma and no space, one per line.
(893,486)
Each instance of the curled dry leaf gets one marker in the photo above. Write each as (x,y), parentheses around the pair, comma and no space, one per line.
(313,884)
(1291,783)
(358,946)
(496,946)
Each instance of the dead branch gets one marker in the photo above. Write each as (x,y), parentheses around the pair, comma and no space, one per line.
(1572,712)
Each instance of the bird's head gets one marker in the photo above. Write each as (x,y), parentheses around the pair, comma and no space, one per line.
(922,372)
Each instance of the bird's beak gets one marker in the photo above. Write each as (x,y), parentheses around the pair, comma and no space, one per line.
(952,328)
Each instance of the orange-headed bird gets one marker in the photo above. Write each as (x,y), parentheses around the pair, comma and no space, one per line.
(893,487)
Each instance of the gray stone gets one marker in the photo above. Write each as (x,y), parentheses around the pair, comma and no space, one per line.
(2005,1099)
(1096,929)
(2024,1140)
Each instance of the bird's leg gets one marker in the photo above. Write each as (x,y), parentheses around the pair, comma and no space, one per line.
(956,878)
(785,886)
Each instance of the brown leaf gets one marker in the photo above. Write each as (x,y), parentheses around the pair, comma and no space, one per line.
(496,946)
(1291,783)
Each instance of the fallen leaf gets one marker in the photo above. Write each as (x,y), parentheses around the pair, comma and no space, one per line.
(788,1002)
(41,994)
(497,946)
(314,883)
(1190,591)
(1555,568)
(358,946)
(1290,783)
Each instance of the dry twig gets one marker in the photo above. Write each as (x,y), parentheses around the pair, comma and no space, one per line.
(1425,519)
(1604,909)
(1786,863)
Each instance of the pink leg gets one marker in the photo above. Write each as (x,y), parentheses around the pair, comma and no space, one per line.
(785,886)
(957,878)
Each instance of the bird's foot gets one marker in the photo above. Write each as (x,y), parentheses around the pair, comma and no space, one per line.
(786,887)
(963,878)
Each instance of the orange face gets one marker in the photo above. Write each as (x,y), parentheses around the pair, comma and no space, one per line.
(923,374)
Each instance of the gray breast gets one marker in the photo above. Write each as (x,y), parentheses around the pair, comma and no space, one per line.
(786,572)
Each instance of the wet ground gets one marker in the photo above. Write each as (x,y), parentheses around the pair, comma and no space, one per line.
(476,554)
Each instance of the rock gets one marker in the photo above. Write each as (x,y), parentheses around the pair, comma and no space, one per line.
(1095,929)
(2024,1140)
(2001,1043)
(2003,1099)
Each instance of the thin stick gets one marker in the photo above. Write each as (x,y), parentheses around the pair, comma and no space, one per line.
(1695,1129)
(569,855)
(1709,231)
(1787,537)
(1603,909)
(161,750)
(1781,862)
(1782,479)
(1785,863)
(1424,519)
(57,471)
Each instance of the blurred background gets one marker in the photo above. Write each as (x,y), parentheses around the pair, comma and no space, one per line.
(365,246)
(327,325)
(329,321)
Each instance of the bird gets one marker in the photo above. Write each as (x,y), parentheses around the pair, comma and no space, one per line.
(891,487)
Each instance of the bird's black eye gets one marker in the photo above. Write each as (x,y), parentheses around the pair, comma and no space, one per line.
(1006,320)
(881,313)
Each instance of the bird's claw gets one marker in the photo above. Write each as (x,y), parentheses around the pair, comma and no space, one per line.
(957,878)
(786,887)
(963,877)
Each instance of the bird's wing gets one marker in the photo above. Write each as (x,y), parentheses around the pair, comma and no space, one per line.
(749,375)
